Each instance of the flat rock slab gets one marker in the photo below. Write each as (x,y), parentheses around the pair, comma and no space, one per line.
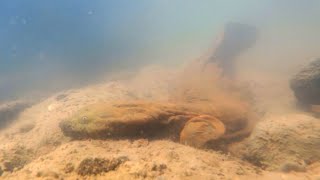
(143,119)
(103,120)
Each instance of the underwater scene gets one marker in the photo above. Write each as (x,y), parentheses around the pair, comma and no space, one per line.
(160,89)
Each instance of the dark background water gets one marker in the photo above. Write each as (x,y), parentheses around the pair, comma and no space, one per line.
(50,45)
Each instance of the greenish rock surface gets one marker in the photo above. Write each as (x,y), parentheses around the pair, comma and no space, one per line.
(143,119)
(105,120)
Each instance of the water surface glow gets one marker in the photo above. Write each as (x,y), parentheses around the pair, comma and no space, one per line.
(55,44)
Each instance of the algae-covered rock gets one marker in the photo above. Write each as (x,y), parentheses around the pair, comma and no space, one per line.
(143,119)
(105,120)
(277,141)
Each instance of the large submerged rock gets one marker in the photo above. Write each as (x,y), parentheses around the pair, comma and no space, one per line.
(306,84)
(142,119)
(282,141)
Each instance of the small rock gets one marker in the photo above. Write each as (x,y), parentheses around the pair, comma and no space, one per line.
(26,128)
(52,107)
(61,97)
(288,167)
(140,143)
(159,168)
(94,166)
(173,156)
(68,168)
(240,171)
(47,174)
(160,178)
(8,166)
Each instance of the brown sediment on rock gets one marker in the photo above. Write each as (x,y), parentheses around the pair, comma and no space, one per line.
(200,130)
(131,119)
(144,119)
